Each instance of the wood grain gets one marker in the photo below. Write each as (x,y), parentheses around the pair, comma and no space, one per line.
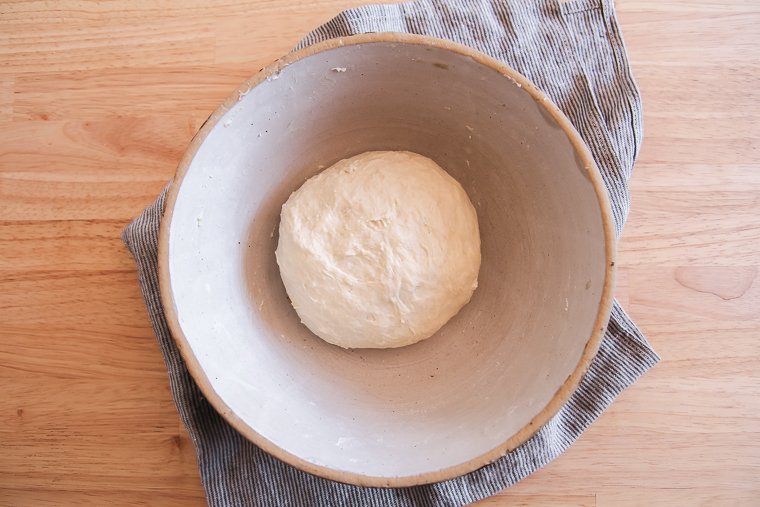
(97,103)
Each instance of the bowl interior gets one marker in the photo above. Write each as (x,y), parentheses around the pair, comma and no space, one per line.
(416,414)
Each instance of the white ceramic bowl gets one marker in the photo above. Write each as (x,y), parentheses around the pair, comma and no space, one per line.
(492,375)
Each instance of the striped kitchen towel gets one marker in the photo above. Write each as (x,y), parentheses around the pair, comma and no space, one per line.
(573,51)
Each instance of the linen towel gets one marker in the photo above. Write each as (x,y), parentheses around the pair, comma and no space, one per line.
(574,52)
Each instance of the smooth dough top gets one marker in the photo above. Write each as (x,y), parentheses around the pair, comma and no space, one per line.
(379,250)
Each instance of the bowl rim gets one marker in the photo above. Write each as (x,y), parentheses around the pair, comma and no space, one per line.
(561,395)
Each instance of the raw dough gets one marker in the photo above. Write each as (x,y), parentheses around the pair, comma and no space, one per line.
(379,250)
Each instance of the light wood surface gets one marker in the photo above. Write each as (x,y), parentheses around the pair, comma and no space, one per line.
(97,103)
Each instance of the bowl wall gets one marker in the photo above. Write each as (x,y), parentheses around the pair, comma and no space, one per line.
(492,375)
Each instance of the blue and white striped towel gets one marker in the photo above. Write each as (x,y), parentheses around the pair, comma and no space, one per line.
(573,51)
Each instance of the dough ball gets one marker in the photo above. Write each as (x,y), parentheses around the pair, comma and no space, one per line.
(380,250)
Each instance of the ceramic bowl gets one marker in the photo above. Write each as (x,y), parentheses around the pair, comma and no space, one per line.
(493,374)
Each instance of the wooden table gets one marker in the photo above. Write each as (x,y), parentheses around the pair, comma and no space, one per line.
(97,103)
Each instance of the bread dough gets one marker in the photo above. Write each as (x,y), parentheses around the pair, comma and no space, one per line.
(380,250)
